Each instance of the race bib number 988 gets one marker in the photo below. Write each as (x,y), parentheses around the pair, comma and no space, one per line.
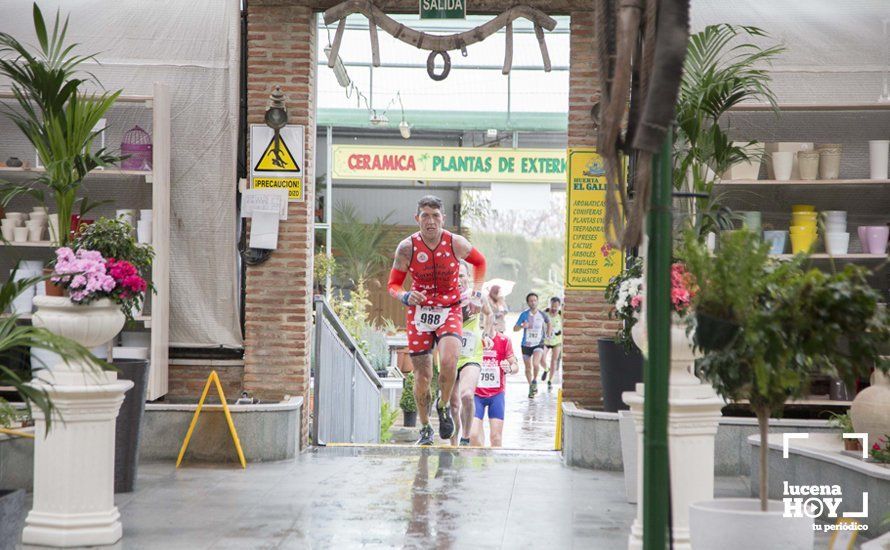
(428,319)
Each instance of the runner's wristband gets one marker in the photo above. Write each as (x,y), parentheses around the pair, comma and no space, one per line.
(404,298)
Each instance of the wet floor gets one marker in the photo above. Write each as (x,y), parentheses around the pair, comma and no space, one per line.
(397,497)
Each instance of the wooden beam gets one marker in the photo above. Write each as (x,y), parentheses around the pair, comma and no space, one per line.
(375,46)
(508,50)
(433,42)
(335,47)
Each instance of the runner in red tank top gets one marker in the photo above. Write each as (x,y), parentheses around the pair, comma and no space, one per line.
(434,319)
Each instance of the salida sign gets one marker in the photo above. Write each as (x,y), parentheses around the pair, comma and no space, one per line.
(443,9)
(467,164)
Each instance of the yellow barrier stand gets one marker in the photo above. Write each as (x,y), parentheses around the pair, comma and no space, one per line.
(558,444)
(222,398)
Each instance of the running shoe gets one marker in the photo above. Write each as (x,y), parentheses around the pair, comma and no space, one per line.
(535,386)
(531,391)
(464,442)
(544,375)
(426,436)
(549,385)
(446,424)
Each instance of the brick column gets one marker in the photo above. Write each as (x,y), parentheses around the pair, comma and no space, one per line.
(586,312)
(278,298)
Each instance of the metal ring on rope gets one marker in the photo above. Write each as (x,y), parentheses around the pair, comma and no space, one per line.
(431,65)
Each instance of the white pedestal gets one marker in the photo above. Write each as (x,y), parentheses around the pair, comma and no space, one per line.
(693,416)
(74,466)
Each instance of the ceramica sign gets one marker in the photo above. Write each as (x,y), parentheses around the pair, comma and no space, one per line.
(590,260)
(369,162)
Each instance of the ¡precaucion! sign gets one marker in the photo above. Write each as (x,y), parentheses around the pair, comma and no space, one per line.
(590,260)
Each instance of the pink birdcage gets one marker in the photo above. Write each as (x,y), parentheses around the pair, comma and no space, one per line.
(136,147)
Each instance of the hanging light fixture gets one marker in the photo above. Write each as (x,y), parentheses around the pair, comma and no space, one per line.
(339,69)
(404,127)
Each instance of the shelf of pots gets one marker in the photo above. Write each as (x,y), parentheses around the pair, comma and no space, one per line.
(776,309)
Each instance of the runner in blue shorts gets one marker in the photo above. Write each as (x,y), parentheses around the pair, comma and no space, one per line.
(491,389)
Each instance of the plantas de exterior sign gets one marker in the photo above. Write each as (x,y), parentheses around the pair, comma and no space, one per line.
(368,162)
(443,9)
(277,164)
(590,259)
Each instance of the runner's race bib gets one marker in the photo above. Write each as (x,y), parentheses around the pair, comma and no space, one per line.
(428,318)
(468,345)
(490,376)
(533,336)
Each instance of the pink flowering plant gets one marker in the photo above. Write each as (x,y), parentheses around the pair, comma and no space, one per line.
(105,261)
(880,451)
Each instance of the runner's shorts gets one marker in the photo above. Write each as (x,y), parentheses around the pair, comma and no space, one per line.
(528,351)
(421,343)
(495,404)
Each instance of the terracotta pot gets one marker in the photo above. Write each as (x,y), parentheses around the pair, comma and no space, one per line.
(870,410)
(52,289)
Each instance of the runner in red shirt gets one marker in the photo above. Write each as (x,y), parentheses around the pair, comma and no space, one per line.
(497,361)
(434,317)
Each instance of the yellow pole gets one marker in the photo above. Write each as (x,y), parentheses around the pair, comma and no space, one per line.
(558,444)
(16,433)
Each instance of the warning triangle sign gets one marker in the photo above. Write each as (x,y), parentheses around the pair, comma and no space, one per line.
(280,160)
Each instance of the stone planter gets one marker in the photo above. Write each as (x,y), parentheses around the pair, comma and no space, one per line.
(870,410)
(89,325)
(410,419)
(620,371)
(738,523)
(12,516)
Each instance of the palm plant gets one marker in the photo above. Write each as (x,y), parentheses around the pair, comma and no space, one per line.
(358,246)
(55,116)
(15,337)
(718,74)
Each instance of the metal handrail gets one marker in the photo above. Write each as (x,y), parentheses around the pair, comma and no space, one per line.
(321,305)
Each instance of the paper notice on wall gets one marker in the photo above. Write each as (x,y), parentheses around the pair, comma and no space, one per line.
(264,229)
(274,200)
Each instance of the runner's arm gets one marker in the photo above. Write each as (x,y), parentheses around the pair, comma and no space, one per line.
(488,315)
(397,276)
(522,317)
(465,251)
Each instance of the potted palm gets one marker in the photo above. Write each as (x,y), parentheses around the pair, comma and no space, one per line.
(15,336)
(56,116)
(719,73)
(792,323)
(407,402)
(621,363)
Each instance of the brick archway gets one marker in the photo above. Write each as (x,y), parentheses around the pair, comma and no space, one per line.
(281,50)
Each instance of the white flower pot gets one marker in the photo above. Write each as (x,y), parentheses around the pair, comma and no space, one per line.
(682,354)
(90,325)
(870,410)
(738,524)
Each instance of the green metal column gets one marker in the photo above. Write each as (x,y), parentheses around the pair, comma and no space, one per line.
(656,484)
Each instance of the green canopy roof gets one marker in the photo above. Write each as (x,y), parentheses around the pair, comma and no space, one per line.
(449,120)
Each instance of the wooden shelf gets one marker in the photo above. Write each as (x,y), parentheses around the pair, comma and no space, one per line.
(30,244)
(146,100)
(824,256)
(810,107)
(108,173)
(820,183)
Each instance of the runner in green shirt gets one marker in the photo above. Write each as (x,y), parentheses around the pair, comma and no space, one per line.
(476,337)
(553,342)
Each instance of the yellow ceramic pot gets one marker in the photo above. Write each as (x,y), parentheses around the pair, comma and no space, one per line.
(802,241)
(803,208)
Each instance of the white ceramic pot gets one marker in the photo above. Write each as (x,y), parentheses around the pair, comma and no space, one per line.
(682,350)
(738,524)
(20,234)
(870,410)
(837,244)
(808,164)
(783,162)
(829,164)
(878,153)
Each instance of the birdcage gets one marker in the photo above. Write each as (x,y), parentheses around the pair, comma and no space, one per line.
(136,148)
